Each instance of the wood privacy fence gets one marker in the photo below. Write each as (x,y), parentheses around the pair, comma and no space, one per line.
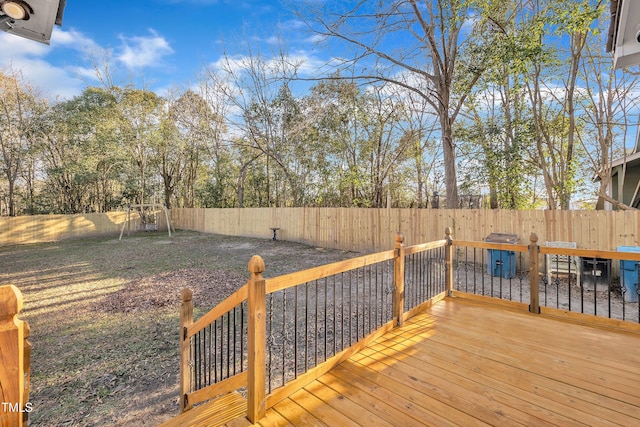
(371,230)
(52,228)
(353,229)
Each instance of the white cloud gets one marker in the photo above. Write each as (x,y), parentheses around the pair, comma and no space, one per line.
(28,56)
(144,51)
(274,40)
(292,25)
(73,39)
(14,46)
(306,64)
(316,38)
(53,82)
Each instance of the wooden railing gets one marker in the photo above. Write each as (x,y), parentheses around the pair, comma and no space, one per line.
(522,277)
(274,336)
(336,309)
(15,356)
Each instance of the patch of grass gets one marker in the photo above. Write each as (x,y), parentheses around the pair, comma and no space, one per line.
(95,366)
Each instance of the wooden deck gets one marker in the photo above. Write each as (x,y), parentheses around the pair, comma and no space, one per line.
(466,363)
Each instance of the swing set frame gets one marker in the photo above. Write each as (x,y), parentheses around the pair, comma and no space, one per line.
(154,208)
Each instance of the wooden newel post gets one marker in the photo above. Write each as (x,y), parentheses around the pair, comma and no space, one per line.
(186,319)
(398,279)
(534,294)
(27,371)
(257,341)
(14,367)
(448,262)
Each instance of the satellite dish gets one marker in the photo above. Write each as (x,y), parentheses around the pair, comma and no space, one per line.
(31,19)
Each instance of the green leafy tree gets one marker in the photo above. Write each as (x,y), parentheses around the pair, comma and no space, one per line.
(20,109)
(81,159)
(140,119)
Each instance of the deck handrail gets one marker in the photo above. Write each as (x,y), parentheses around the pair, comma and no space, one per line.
(608,304)
(253,293)
(15,353)
(257,291)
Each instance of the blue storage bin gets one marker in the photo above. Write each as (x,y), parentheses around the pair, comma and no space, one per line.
(629,274)
(501,263)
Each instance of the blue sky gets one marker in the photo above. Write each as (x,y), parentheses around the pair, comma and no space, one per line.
(160,42)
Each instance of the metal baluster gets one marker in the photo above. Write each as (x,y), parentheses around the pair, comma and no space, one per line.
(357,272)
(317,332)
(325,318)
(306,326)
(582,289)
(350,310)
(335,319)
(242,314)
(228,314)
(511,287)
(207,334)
(376,307)
(234,341)
(609,288)
(571,260)
(521,275)
(285,333)
(295,336)
(501,271)
(216,350)
(342,310)
(423,273)
(370,294)
(595,299)
(557,282)
(466,269)
(196,359)
(269,341)
(364,300)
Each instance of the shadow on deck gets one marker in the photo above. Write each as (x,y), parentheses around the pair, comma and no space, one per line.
(464,362)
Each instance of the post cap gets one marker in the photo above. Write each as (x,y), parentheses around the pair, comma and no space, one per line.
(187,294)
(256,265)
(399,237)
(11,301)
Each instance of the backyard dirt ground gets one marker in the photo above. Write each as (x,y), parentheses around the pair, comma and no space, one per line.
(104,316)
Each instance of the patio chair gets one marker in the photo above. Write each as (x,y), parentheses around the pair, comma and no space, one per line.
(562,263)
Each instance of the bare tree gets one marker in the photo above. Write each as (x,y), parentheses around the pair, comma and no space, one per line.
(419,46)
(609,98)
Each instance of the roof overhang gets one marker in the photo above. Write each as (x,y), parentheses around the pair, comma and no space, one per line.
(38,22)
(624,33)
(632,161)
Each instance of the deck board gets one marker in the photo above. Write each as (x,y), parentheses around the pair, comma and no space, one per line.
(465,363)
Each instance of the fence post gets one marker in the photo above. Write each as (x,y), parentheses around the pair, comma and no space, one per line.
(398,279)
(448,262)
(14,381)
(534,294)
(186,319)
(257,341)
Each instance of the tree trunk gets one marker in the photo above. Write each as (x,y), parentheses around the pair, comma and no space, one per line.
(450,179)
(12,205)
